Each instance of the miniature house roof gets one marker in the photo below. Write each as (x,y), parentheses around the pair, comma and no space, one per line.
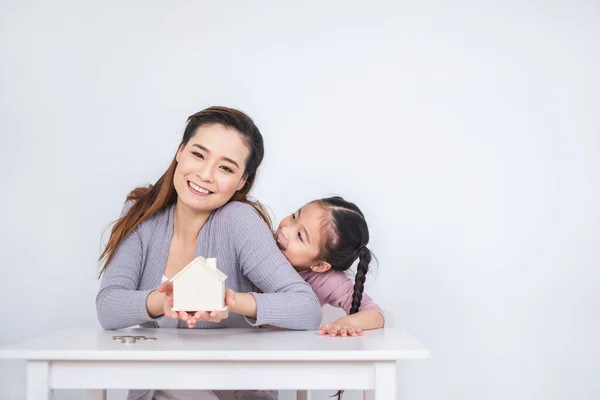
(210,264)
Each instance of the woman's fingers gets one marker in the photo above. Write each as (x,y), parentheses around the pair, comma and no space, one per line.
(167,308)
(182,315)
(192,318)
(165,287)
(169,313)
(201,316)
(221,315)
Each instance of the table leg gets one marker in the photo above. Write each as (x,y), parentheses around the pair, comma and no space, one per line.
(302,395)
(99,394)
(385,381)
(38,380)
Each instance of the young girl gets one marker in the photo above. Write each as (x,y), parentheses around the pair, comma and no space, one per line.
(321,241)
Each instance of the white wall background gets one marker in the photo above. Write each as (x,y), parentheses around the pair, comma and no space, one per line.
(468,133)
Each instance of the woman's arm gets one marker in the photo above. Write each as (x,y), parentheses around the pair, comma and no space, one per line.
(244,304)
(288,301)
(118,303)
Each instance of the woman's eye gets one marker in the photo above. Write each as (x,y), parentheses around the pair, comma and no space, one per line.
(199,155)
(227,169)
(294,216)
(300,236)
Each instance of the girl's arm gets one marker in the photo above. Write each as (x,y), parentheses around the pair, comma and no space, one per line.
(337,290)
(287,300)
(347,325)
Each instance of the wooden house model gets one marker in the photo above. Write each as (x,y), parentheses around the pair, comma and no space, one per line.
(200,286)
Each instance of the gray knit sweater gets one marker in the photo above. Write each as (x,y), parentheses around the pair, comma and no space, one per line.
(245,251)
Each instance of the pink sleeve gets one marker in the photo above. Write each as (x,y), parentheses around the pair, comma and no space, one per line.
(336,288)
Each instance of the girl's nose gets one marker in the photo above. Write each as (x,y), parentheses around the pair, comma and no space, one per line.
(287,230)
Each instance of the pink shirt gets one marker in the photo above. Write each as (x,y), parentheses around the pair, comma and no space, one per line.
(336,289)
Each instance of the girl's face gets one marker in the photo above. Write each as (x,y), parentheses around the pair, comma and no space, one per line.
(299,236)
(210,168)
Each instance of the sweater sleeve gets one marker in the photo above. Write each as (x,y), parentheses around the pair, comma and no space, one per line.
(287,300)
(337,290)
(118,303)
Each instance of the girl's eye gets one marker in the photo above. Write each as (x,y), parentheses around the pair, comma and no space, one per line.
(199,155)
(300,237)
(294,216)
(227,169)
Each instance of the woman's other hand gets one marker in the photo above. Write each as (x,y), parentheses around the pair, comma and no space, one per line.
(192,317)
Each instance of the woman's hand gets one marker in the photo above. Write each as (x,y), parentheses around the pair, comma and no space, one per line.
(339,329)
(213,316)
(193,317)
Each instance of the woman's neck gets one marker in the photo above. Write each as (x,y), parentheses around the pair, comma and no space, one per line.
(187,222)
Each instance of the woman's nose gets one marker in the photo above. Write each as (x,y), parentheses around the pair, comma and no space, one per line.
(205,172)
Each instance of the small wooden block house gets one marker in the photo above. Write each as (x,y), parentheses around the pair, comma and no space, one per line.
(200,286)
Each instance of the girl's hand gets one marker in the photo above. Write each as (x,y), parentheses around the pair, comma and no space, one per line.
(339,329)
(193,317)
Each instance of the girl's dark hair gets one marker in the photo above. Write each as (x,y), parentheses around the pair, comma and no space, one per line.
(347,236)
(151,199)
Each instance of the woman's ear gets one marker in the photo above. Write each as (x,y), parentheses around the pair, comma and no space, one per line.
(178,155)
(242,183)
(320,266)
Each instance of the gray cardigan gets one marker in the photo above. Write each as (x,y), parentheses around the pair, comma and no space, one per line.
(245,251)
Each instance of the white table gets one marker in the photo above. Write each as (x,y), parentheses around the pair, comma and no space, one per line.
(236,359)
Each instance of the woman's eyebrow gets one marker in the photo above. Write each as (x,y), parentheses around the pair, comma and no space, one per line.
(229,160)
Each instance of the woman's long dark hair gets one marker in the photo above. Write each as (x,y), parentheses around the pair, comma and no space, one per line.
(151,199)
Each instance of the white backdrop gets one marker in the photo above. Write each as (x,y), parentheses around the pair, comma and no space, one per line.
(469,134)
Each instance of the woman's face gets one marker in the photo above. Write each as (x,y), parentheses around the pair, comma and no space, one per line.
(210,168)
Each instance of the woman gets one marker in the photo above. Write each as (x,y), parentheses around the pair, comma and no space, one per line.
(200,207)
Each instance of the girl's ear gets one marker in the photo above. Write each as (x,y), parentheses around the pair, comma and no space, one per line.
(320,266)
